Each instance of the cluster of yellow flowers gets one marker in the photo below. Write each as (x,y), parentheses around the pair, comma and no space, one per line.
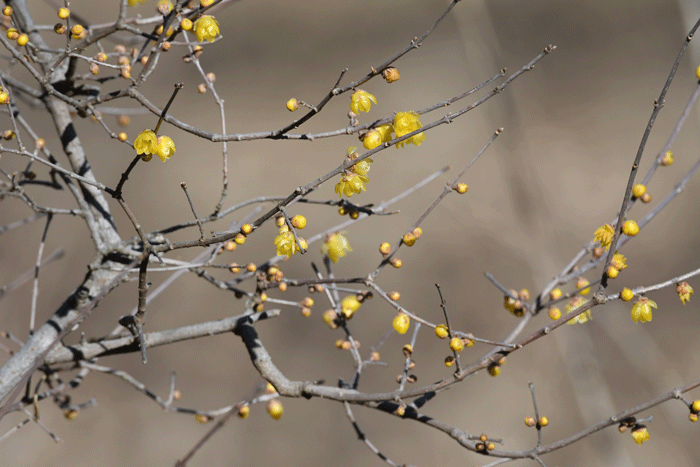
(148,143)
(285,242)
(354,178)
(403,124)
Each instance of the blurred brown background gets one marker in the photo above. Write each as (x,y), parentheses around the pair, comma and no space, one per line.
(572,128)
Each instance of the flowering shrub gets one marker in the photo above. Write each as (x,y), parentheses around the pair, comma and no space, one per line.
(167,263)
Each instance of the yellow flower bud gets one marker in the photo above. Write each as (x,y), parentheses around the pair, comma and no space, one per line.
(292,105)
(441,331)
(409,239)
(696,405)
(299,221)
(626,295)
(391,74)
(684,291)
(275,409)
(666,159)
(76,31)
(372,139)
(555,294)
(581,282)
(630,228)
(401,323)
(244,411)
(554,313)
(63,13)
(456,344)
(638,190)
(385,248)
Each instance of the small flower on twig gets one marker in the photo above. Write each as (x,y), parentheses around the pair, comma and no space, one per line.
(336,246)
(684,291)
(574,305)
(401,323)
(361,101)
(407,122)
(286,243)
(604,235)
(641,310)
(206,28)
(640,434)
(630,228)
(349,305)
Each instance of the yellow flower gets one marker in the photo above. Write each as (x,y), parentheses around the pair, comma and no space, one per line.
(362,167)
(206,28)
(619,261)
(336,246)
(361,101)
(640,435)
(286,244)
(349,305)
(145,143)
(136,2)
(604,235)
(684,291)
(385,132)
(641,310)
(164,148)
(575,304)
(351,183)
(406,122)
(401,323)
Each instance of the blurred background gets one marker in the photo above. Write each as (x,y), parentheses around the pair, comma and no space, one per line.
(572,128)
